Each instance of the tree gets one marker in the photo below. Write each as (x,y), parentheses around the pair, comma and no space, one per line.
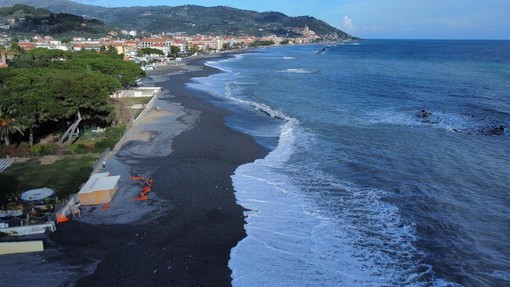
(8,126)
(42,97)
(48,87)
(49,56)
(175,50)
(149,51)
(16,49)
(40,57)
(112,51)
(34,109)
(125,72)
(259,43)
(91,99)
(194,49)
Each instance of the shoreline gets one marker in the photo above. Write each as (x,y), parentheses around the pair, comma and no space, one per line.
(184,233)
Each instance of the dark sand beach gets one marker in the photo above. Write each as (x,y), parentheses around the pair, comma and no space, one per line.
(192,220)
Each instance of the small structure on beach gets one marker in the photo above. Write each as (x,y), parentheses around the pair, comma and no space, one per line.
(139,92)
(37,196)
(21,247)
(99,189)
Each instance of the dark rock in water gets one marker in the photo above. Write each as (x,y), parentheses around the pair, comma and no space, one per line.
(493,131)
(424,116)
(321,50)
(496,131)
(265,112)
(271,115)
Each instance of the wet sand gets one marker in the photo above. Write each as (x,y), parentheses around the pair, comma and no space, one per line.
(182,235)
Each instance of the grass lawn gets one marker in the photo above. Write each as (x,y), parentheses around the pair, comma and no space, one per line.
(133,101)
(65,175)
(128,102)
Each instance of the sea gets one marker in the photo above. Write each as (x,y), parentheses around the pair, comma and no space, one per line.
(388,162)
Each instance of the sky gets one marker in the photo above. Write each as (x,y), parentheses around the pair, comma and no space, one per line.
(377,19)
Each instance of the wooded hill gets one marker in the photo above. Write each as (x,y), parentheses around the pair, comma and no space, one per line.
(192,19)
(30,20)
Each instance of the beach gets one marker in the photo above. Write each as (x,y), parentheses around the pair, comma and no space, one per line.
(182,235)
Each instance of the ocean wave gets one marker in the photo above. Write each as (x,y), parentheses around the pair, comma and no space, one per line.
(270,112)
(289,58)
(245,83)
(220,64)
(292,224)
(231,92)
(217,65)
(348,44)
(299,71)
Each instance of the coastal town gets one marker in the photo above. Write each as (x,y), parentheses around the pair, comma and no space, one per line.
(165,45)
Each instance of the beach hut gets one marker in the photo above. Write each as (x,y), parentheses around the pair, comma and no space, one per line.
(99,189)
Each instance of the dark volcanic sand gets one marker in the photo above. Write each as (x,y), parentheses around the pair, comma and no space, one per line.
(190,245)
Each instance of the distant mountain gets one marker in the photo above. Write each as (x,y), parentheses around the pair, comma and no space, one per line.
(192,19)
(24,19)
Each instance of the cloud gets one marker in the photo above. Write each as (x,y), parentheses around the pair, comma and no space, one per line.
(348,25)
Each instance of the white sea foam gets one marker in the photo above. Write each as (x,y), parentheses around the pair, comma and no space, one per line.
(284,246)
(298,236)
(232,93)
(221,63)
(289,58)
(437,119)
(298,71)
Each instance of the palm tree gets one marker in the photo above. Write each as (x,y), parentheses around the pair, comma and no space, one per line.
(8,126)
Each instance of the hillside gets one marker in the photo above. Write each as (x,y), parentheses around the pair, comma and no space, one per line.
(192,19)
(24,19)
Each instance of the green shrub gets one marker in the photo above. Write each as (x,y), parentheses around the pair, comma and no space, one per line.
(44,149)
(116,131)
(112,136)
(80,149)
(49,149)
(105,143)
(36,149)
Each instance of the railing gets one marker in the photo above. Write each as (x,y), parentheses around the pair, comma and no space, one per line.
(28,220)
(5,163)
(100,160)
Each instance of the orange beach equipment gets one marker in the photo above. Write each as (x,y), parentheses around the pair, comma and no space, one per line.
(61,218)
